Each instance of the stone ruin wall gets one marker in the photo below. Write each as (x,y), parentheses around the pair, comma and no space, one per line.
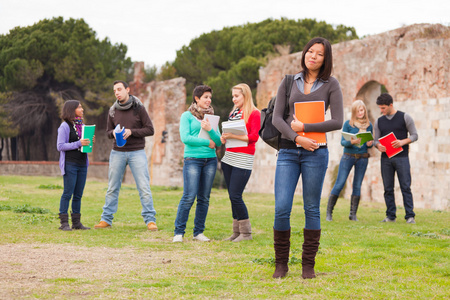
(165,101)
(412,63)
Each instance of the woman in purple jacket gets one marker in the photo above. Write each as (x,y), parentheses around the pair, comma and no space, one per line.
(72,162)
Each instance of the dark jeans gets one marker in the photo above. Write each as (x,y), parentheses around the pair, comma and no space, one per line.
(74,182)
(345,166)
(388,168)
(198,176)
(236,180)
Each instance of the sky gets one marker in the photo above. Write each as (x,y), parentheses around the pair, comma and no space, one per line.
(154,30)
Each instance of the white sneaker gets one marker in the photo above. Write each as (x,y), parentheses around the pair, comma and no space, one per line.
(201,237)
(411,220)
(177,238)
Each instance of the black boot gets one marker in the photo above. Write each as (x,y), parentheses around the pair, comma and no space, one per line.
(331,203)
(354,203)
(310,248)
(64,222)
(76,223)
(282,244)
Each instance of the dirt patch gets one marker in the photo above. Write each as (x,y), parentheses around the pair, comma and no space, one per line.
(26,269)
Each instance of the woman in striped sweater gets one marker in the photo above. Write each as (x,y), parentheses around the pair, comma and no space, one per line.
(237,162)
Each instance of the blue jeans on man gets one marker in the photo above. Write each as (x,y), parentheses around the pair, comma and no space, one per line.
(74,182)
(345,166)
(236,180)
(389,166)
(292,163)
(198,176)
(118,161)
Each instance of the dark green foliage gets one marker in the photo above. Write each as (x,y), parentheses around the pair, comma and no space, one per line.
(271,261)
(5,207)
(430,235)
(47,63)
(224,58)
(445,231)
(150,73)
(26,208)
(51,186)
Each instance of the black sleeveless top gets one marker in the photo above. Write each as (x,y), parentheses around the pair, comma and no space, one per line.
(75,156)
(397,125)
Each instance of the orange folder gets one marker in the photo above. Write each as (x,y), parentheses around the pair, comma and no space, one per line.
(311,112)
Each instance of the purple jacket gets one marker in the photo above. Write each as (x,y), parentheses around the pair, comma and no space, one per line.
(63,145)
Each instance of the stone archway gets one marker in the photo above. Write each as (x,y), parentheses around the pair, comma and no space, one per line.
(412,63)
(369,93)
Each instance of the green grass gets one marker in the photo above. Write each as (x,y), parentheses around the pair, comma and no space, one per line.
(356,260)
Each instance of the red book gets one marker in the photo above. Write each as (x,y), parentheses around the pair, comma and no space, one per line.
(386,141)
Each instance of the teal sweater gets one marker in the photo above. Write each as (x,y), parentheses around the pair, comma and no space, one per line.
(193,145)
(348,147)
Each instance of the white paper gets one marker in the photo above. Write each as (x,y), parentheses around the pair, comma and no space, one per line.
(118,129)
(237,128)
(214,121)
(348,136)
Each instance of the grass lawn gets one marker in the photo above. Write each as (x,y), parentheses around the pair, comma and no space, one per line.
(356,260)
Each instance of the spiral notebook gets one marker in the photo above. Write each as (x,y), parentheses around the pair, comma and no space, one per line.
(88,132)
(309,113)
(386,141)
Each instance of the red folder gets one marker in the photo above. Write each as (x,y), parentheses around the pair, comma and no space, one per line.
(386,141)
(308,113)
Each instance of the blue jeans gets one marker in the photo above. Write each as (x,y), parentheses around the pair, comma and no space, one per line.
(74,182)
(388,168)
(345,166)
(198,176)
(290,164)
(118,161)
(236,180)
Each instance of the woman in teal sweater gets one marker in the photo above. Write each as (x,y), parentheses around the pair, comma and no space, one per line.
(200,163)
(353,156)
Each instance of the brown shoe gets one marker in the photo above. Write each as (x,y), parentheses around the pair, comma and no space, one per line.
(102,225)
(152,226)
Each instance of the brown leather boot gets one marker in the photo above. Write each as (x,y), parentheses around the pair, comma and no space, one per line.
(281,243)
(235,231)
(76,222)
(310,248)
(245,230)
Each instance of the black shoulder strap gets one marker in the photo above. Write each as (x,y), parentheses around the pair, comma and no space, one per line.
(289,80)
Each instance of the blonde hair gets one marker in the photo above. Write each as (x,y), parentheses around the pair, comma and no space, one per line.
(248,107)
(355,107)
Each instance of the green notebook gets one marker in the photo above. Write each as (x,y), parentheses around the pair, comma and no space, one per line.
(87,132)
(364,136)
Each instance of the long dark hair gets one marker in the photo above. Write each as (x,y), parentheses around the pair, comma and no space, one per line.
(327,66)
(68,111)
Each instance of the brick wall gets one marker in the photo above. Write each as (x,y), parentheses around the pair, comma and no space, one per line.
(412,63)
